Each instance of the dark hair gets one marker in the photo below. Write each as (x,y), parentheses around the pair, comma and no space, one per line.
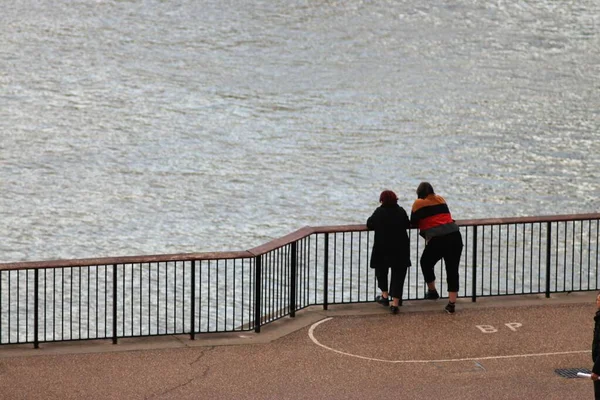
(424,190)
(387,198)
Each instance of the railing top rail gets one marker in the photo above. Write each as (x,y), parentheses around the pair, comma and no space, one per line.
(272,245)
(528,220)
(87,262)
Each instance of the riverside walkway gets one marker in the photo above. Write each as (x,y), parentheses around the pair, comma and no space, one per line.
(496,348)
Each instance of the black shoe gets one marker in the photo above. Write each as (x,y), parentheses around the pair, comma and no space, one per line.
(394,309)
(384,301)
(450,308)
(432,295)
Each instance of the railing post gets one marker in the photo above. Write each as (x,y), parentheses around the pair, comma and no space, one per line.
(474,272)
(293,273)
(326,273)
(193,300)
(548,256)
(36,304)
(257,294)
(114,310)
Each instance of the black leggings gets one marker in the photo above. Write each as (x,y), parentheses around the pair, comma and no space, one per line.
(397,280)
(449,247)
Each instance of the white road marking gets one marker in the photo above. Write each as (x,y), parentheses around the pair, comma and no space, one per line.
(311,334)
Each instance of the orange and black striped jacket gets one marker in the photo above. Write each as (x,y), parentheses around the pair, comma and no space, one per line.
(432,216)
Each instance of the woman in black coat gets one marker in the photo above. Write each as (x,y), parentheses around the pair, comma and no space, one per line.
(391,248)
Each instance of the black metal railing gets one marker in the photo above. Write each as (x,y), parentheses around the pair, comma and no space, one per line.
(112,298)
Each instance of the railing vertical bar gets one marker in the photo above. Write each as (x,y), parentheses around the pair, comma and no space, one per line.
(157,318)
(335,267)
(589,252)
(359,264)
(36,305)
(539,258)
(257,294)
(302,272)
(114,305)
(167,269)
(149,298)
(580,253)
(515,262)
(532,227)
(200,286)
(465,261)
(343,263)
(573,258)
(226,266)
(491,269)
(281,279)
(193,303)
(79,304)
(217,302)
(491,260)
(19,305)
(26,322)
(251,293)
(274,311)
(564,280)
(233,274)
(474,270)
(507,256)
(249,308)
(89,302)
(316,268)
(499,255)
(97,322)
(351,284)
(597,253)
(548,256)
(54,304)
(45,297)
(174,317)
(141,299)
(306,271)
(276,292)
(9,305)
(124,273)
(293,278)
(105,298)
(556,266)
(71,303)
(326,272)
(482,260)
(286,277)
(367,269)
(523,260)
(267,282)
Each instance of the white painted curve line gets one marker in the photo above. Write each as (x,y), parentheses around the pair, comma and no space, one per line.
(311,334)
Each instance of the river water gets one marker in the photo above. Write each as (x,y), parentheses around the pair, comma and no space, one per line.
(149,127)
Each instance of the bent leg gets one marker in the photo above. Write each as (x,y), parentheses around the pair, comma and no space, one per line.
(452,253)
(431,255)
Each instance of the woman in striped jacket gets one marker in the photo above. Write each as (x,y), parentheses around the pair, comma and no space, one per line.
(431,215)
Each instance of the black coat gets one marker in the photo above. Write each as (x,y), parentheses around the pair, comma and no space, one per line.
(391,246)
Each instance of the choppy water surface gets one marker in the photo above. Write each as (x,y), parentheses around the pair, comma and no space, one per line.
(162,127)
